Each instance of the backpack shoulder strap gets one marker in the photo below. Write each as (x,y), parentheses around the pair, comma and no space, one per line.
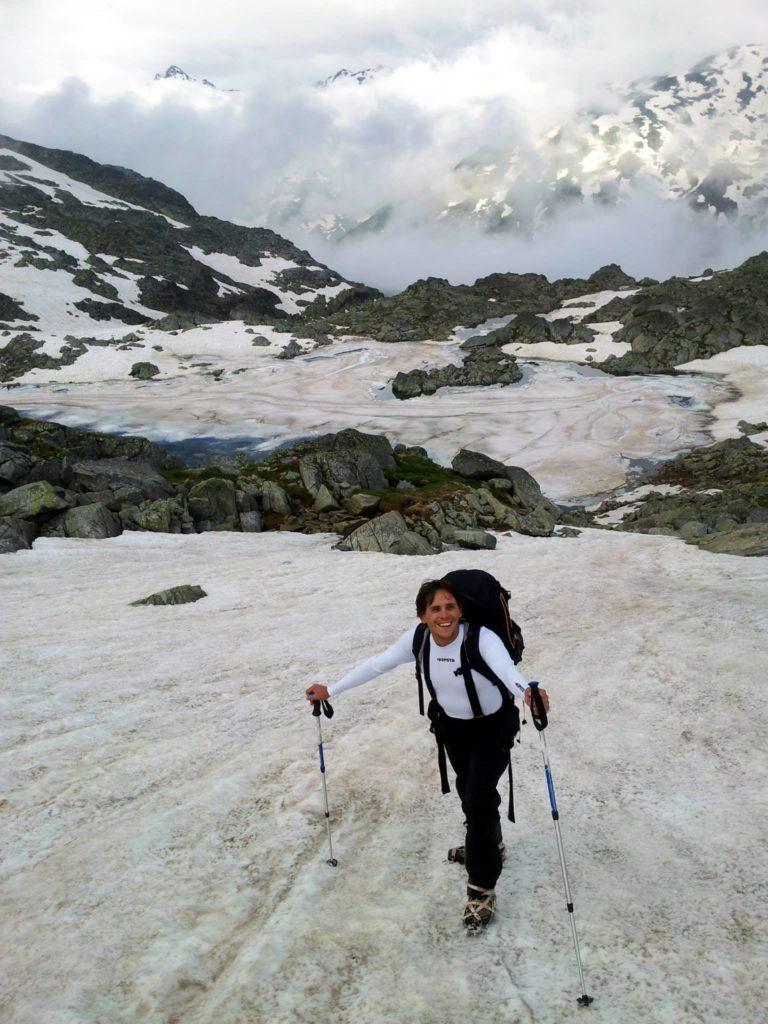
(476,660)
(421,656)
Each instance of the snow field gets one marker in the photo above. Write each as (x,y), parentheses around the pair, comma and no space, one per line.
(574,428)
(165,842)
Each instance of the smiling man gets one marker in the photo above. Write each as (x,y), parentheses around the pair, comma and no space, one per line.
(474,719)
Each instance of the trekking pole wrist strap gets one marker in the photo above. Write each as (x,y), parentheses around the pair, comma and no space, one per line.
(538,711)
(326,708)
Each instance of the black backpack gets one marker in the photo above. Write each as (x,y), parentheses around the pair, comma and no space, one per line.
(484,602)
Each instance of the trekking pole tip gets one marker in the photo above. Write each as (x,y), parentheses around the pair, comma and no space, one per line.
(332,862)
(585,1000)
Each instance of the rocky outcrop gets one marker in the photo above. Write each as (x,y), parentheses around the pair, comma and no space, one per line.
(186,593)
(350,483)
(213,505)
(388,534)
(679,320)
(144,371)
(15,534)
(720,503)
(94,522)
(484,365)
(35,501)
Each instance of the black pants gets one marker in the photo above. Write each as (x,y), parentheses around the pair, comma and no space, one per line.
(479,756)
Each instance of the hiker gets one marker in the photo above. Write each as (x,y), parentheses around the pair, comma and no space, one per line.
(474,720)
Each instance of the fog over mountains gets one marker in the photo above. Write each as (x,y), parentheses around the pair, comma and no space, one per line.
(700,137)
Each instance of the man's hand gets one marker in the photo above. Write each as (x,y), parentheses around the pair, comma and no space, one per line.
(544,698)
(317,692)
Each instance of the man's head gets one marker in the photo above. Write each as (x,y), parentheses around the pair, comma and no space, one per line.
(439,609)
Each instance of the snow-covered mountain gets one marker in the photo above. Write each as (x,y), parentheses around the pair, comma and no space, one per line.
(89,250)
(173,73)
(361,77)
(698,136)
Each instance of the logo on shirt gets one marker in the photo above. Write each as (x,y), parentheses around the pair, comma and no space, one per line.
(451,660)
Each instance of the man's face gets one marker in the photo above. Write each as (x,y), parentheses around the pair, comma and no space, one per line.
(442,617)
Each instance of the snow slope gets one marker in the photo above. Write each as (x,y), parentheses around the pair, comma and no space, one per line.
(164,842)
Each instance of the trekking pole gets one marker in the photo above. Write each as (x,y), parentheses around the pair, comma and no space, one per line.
(539,716)
(328,712)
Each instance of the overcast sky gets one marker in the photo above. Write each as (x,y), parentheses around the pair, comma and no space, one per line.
(75,74)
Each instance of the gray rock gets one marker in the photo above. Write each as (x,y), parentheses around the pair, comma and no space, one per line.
(15,462)
(94,522)
(475,540)
(184,594)
(692,530)
(311,474)
(164,515)
(33,501)
(131,482)
(250,522)
(291,350)
(144,371)
(389,534)
(213,505)
(525,490)
(16,534)
(274,498)
(259,340)
(749,540)
(749,428)
(362,504)
(498,483)
(567,531)
(346,459)
(324,500)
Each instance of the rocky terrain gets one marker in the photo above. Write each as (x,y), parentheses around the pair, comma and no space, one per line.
(679,320)
(89,249)
(484,363)
(714,497)
(59,481)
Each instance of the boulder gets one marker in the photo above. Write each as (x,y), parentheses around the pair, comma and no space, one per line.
(524,489)
(33,501)
(213,505)
(324,500)
(144,371)
(362,504)
(15,462)
(131,482)
(346,459)
(389,534)
(475,540)
(164,515)
(250,522)
(274,499)
(290,351)
(186,593)
(16,534)
(94,522)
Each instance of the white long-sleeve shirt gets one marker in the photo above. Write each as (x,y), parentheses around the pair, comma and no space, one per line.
(450,689)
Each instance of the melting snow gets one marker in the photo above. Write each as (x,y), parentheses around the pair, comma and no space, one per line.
(165,842)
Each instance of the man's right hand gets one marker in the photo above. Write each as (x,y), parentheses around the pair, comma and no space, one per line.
(317,692)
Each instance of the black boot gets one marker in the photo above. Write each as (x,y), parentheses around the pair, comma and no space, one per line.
(480,909)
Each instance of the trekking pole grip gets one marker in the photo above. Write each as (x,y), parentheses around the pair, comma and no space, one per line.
(538,711)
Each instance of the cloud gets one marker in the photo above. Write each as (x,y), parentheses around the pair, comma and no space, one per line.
(77,75)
